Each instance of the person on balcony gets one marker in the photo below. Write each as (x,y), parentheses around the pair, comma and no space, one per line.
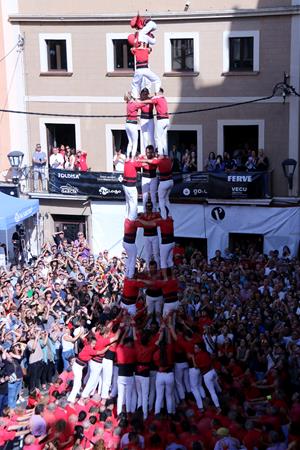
(56,160)
(80,161)
(39,159)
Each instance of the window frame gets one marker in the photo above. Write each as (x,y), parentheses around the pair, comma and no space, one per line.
(168,53)
(236,122)
(181,57)
(43,38)
(62,43)
(226,50)
(110,54)
(59,121)
(116,69)
(242,60)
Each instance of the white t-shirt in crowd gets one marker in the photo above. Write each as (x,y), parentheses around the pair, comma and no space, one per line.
(56,161)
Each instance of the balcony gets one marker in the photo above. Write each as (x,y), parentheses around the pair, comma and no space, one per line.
(195,187)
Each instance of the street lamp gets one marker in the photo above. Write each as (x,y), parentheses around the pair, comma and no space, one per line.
(289,167)
(15,159)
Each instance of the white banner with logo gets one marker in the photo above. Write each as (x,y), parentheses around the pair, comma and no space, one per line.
(279,226)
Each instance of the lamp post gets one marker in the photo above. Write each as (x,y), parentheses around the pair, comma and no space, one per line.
(289,167)
(15,159)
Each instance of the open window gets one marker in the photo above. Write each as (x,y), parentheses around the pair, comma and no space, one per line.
(191,244)
(70,225)
(178,144)
(240,138)
(58,134)
(245,242)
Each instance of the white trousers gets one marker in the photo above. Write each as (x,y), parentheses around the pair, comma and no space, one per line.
(114,384)
(166,255)
(77,371)
(138,79)
(93,380)
(143,33)
(131,309)
(169,307)
(152,389)
(164,190)
(132,135)
(151,245)
(147,130)
(131,198)
(107,371)
(165,389)
(131,250)
(196,386)
(154,304)
(149,185)
(125,386)
(182,381)
(211,382)
(162,126)
(142,387)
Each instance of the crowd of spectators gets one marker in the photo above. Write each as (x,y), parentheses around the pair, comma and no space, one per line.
(242,160)
(67,158)
(242,307)
(63,158)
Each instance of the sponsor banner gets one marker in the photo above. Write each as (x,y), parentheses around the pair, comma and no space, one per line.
(193,186)
(236,185)
(106,185)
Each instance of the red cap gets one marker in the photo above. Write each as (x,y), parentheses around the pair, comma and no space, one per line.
(137,22)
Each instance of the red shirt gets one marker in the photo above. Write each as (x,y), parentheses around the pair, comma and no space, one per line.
(147,111)
(170,289)
(144,353)
(131,289)
(80,162)
(102,342)
(125,355)
(252,439)
(87,353)
(186,345)
(164,166)
(178,253)
(130,173)
(132,109)
(141,57)
(169,357)
(203,361)
(6,435)
(161,107)
(150,230)
(149,170)
(130,229)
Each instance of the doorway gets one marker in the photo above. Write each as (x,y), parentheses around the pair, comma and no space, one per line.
(120,141)
(191,244)
(238,138)
(178,142)
(245,242)
(60,134)
(70,225)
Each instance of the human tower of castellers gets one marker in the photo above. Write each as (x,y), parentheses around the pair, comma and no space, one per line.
(145,367)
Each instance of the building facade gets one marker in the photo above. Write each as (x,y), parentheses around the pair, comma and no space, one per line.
(75,61)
